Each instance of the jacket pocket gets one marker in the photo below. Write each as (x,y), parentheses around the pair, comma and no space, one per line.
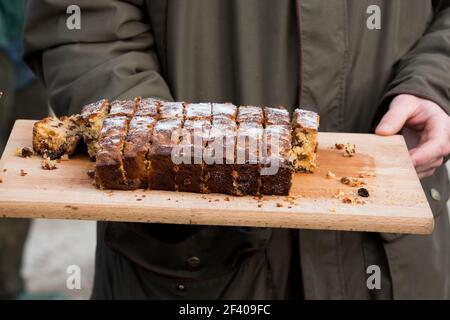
(207,253)
(213,260)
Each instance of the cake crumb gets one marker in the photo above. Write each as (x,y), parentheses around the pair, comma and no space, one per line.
(332,209)
(24,152)
(259,205)
(353,200)
(1,180)
(352,182)
(23,173)
(4,170)
(339,146)
(227,199)
(91,173)
(330,175)
(138,199)
(366,174)
(65,157)
(349,150)
(279,205)
(48,164)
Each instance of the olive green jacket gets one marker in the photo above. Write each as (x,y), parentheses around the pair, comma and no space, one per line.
(201,50)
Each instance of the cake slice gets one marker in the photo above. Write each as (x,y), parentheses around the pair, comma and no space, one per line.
(250,114)
(166,136)
(189,177)
(198,111)
(124,108)
(109,168)
(171,110)
(305,125)
(224,110)
(137,146)
(54,137)
(91,122)
(147,107)
(249,142)
(277,116)
(277,169)
(219,171)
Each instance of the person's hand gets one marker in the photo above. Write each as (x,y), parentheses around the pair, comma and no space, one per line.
(426,128)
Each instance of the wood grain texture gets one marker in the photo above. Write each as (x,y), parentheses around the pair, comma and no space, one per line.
(397,202)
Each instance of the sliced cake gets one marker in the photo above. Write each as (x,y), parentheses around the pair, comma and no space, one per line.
(305,125)
(54,137)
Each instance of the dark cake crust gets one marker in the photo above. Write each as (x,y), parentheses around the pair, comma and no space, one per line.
(137,146)
(166,135)
(109,168)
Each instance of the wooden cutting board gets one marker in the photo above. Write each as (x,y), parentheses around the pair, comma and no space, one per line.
(396,204)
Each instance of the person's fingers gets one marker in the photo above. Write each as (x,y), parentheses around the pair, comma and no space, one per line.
(394,120)
(430,165)
(428,151)
(426,174)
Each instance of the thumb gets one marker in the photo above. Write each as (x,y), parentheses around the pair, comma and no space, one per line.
(394,120)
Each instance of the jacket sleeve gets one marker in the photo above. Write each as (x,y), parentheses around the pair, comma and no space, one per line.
(112,56)
(425,70)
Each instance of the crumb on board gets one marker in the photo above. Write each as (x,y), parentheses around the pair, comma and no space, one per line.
(138,199)
(349,150)
(279,205)
(227,199)
(333,209)
(48,164)
(65,157)
(24,152)
(353,200)
(366,174)
(91,173)
(330,175)
(4,170)
(216,200)
(352,182)
(23,173)
(1,180)
(259,205)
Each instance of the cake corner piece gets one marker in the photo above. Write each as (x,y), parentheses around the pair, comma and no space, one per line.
(305,126)
(55,137)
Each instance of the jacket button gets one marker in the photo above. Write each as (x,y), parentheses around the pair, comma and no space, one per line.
(181,287)
(193,263)
(435,194)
